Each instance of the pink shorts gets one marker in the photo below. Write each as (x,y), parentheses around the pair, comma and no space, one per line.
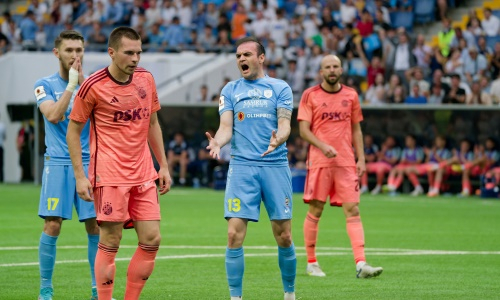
(122,203)
(422,169)
(340,183)
(378,166)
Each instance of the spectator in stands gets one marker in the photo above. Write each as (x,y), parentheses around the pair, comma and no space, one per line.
(399,95)
(442,8)
(270,12)
(455,64)
(483,48)
(200,16)
(28,29)
(375,95)
(157,41)
(462,34)
(4,45)
(223,25)
(99,12)
(174,35)
(65,12)
(327,18)
(178,156)
(223,42)
(212,15)
(203,97)
(5,24)
(185,13)
(437,80)
(404,60)
(405,5)
(456,95)
(41,38)
(494,66)
(14,36)
(390,86)
(445,37)
(379,7)
(205,164)
(311,23)
(86,17)
(206,40)
(475,27)
(380,22)
(477,97)
(365,25)
(475,65)
(313,65)
(113,12)
(39,8)
(238,22)
(416,96)
(153,13)
(295,78)
(490,23)
(416,76)
(437,94)
(422,53)
(295,32)
(97,40)
(348,12)
(169,11)
(55,12)
(279,28)
(260,26)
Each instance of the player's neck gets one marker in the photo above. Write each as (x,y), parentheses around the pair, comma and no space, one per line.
(64,73)
(331,88)
(117,74)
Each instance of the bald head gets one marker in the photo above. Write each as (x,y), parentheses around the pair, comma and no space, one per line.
(330,59)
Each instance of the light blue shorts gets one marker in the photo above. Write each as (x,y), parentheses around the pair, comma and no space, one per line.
(247,186)
(58,194)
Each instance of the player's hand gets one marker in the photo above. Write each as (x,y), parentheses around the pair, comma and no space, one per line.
(360,168)
(84,189)
(329,151)
(73,76)
(273,144)
(213,146)
(79,68)
(165,181)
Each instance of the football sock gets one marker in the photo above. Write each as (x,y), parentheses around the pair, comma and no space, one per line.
(357,236)
(364,179)
(311,236)
(414,179)
(466,186)
(397,181)
(430,178)
(47,259)
(93,240)
(105,269)
(235,266)
(140,268)
(288,266)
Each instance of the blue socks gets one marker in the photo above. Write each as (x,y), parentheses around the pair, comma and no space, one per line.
(235,266)
(92,251)
(288,266)
(47,259)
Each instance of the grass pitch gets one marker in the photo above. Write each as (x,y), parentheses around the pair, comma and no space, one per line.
(439,248)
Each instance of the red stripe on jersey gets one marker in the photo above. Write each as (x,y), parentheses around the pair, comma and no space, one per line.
(82,92)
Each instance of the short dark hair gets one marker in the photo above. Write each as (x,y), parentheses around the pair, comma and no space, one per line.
(68,35)
(116,35)
(260,48)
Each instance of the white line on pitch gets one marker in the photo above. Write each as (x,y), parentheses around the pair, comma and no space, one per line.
(221,255)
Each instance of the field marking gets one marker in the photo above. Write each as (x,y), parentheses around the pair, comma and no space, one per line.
(222,255)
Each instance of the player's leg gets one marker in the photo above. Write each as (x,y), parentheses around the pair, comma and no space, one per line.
(370,168)
(347,193)
(111,205)
(183,163)
(55,205)
(412,174)
(241,203)
(466,186)
(392,178)
(276,185)
(317,189)
(380,170)
(144,209)
(434,190)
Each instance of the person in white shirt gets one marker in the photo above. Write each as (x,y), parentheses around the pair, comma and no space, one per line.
(278,29)
(495,90)
(348,12)
(259,27)
(490,24)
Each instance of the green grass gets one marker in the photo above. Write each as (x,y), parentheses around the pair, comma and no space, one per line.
(393,227)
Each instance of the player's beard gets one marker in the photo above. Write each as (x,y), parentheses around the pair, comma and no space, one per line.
(332,82)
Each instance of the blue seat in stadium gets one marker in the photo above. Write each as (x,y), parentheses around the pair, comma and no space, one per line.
(496,13)
(402,19)
(424,11)
(290,7)
(492,40)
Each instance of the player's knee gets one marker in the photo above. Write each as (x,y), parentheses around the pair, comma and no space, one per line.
(285,239)
(234,238)
(52,226)
(351,210)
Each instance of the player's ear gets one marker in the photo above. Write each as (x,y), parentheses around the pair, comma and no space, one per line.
(56,52)
(111,52)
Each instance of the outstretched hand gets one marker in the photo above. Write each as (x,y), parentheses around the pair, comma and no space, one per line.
(273,144)
(213,146)
(84,189)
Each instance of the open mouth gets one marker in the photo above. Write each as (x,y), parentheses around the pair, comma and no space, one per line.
(245,67)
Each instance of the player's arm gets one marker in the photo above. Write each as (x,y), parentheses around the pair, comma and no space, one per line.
(306,134)
(54,110)
(155,139)
(357,141)
(284,128)
(222,136)
(83,185)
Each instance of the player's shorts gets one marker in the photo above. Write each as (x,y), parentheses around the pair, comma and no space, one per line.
(401,166)
(422,169)
(58,194)
(340,183)
(379,166)
(247,186)
(122,203)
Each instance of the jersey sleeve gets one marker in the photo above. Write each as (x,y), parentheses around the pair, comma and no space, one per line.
(285,98)
(155,106)
(43,92)
(82,107)
(225,101)
(305,112)
(357,115)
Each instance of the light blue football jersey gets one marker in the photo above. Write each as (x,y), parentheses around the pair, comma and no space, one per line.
(51,88)
(254,104)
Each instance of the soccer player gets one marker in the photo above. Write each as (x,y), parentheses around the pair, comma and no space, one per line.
(255,113)
(371,151)
(412,155)
(434,157)
(54,95)
(122,103)
(329,116)
(485,157)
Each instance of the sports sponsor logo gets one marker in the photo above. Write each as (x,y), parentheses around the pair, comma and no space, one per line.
(241,116)
(254,103)
(238,97)
(254,93)
(40,92)
(221,102)
(131,114)
(141,92)
(267,116)
(335,116)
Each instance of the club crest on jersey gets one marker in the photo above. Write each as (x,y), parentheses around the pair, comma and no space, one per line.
(254,94)
(141,92)
(268,93)
(107,209)
(241,116)
(345,103)
(221,102)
